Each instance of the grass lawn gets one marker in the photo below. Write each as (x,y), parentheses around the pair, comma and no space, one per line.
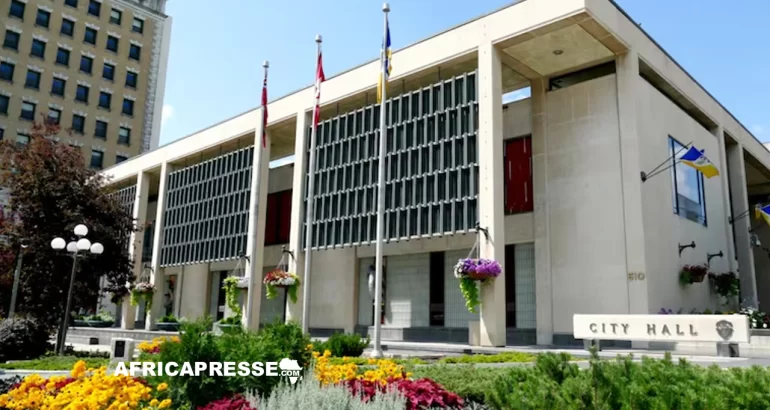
(54,363)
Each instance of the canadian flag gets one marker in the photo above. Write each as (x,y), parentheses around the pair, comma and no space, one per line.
(319,78)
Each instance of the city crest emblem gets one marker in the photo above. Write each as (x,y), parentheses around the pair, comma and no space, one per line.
(724,329)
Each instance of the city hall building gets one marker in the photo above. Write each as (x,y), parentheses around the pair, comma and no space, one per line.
(555,180)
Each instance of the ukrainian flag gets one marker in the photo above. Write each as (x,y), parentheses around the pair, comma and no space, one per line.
(697,160)
(386,67)
(764,213)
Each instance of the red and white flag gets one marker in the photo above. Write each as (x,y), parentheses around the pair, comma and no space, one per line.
(319,78)
(264,111)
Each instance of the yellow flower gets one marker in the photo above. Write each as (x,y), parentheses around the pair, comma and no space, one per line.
(309,347)
(162,386)
(164,404)
(154,402)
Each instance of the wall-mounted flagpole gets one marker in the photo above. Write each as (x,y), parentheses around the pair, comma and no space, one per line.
(319,78)
(657,170)
(377,350)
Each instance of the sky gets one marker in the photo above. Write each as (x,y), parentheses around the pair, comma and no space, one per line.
(215,61)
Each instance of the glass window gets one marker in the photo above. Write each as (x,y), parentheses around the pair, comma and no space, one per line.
(131,79)
(689,198)
(135,52)
(6,71)
(63,56)
(57,86)
(43,18)
(100,131)
(22,139)
(90,36)
(4,104)
(54,116)
(86,64)
(124,136)
(38,49)
(116,16)
(17,9)
(105,100)
(82,93)
(78,123)
(112,43)
(67,27)
(71,3)
(33,80)
(120,158)
(97,159)
(137,26)
(2,133)
(94,8)
(11,40)
(27,111)
(128,107)
(108,72)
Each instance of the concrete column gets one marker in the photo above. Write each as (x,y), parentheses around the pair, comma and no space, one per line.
(255,241)
(543,286)
(136,244)
(719,132)
(630,167)
(156,276)
(296,232)
(736,168)
(491,212)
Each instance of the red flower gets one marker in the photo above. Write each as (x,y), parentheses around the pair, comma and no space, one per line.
(236,402)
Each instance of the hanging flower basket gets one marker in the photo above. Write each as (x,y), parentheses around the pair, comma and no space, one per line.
(242,283)
(279,278)
(232,287)
(726,285)
(692,274)
(143,292)
(470,271)
(477,269)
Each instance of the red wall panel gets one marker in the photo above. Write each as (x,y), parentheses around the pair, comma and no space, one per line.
(518,175)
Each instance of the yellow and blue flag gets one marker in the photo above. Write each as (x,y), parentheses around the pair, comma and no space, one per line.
(697,160)
(763,212)
(386,59)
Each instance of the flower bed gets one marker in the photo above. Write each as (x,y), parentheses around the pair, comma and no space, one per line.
(469,271)
(153,347)
(281,279)
(86,389)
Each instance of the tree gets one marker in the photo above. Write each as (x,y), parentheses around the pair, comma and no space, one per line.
(50,191)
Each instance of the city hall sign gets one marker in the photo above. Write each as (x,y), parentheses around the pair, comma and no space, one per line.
(662,328)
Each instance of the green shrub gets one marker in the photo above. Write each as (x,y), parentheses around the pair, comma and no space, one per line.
(341,345)
(468,381)
(505,357)
(554,383)
(22,338)
(271,344)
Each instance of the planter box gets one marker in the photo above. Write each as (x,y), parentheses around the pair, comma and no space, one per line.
(227,328)
(98,323)
(168,326)
(79,323)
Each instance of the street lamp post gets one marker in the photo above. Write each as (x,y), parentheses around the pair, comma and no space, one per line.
(16,277)
(74,247)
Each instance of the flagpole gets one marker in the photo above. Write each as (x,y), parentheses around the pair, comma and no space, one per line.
(377,350)
(310,200)
(256,175)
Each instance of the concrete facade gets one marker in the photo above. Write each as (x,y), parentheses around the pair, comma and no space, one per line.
(606,105)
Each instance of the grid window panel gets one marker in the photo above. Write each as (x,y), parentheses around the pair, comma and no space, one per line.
(407,280)
(207,211)
(525,286)
(126,197)
(431,167)
(455,312)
